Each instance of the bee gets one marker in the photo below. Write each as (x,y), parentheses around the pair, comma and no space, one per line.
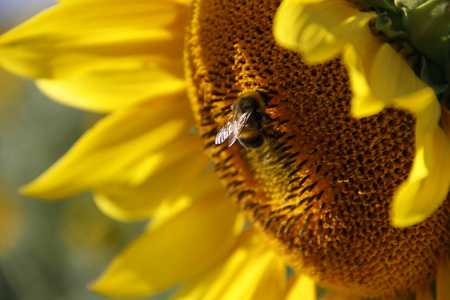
(245,123)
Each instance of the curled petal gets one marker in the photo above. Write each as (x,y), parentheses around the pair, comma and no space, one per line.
(428,183)
(317,29)
(379,77)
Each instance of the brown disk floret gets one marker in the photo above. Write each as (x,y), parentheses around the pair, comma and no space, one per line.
(320,187)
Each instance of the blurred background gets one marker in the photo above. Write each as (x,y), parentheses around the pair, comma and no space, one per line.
(48,250)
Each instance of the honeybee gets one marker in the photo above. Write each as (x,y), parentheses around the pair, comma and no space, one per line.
(245,123)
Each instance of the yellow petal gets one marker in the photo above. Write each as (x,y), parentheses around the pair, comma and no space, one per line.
(317,29)
(443,279)
(118,150)
(101,54)
(379,77)
(382,78)
(251,272)
(428,183)
(303,287)
(164,186)
(177,250)
(390,75)
(115,85)
(364,102)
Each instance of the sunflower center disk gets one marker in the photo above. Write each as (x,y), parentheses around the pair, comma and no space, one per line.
(320,186)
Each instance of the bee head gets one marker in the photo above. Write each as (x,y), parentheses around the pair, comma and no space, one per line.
(251,101)
(248,103)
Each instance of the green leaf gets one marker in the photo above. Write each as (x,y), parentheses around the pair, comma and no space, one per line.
(428,27)
(391,24)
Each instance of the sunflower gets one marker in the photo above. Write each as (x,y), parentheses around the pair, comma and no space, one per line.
(348,191)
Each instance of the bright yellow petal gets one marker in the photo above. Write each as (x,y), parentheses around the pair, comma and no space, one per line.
(379,77)
(382,78)
(164,186)
(443,279)
(390,75)
(251,272)
(115,85)
(123,148)
(101,54)
(177,250)
(428,183)
(364,102)
(318,29)
(303,287)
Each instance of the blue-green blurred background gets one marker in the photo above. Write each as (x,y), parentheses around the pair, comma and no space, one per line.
(48,250)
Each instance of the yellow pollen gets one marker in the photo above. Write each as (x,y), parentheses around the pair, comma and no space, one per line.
(320,187)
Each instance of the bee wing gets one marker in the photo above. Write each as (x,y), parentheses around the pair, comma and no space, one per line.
(241,121)
(232,139)
(232,128)
(238,126)
(224,132)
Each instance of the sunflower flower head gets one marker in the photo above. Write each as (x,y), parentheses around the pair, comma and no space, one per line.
(325,121)
(325,187)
